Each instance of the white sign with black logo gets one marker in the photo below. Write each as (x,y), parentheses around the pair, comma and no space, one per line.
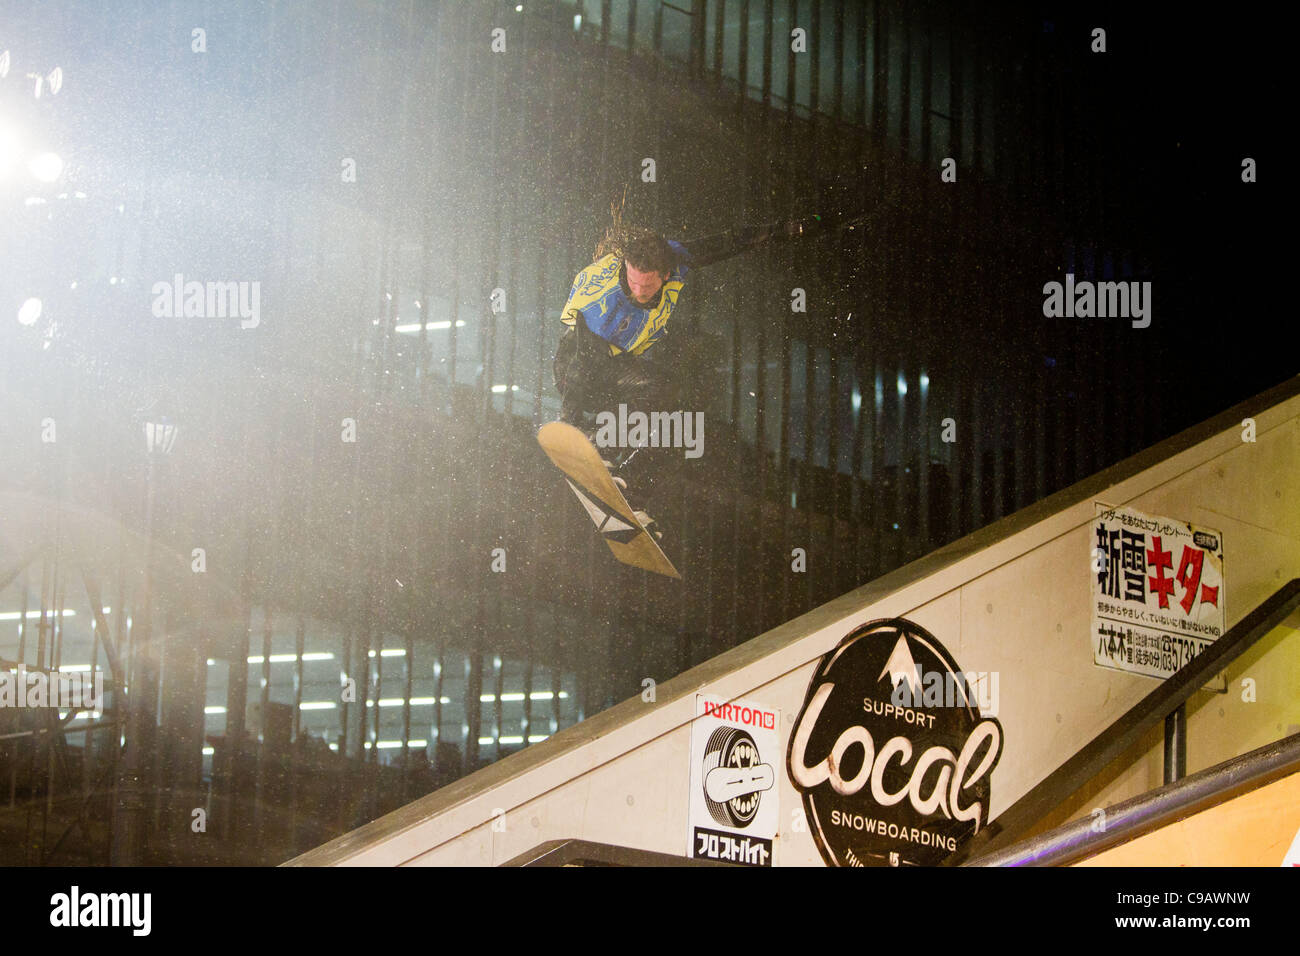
(735,754)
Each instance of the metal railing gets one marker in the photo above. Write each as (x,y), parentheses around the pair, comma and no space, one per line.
(1147,812)
(1170,697)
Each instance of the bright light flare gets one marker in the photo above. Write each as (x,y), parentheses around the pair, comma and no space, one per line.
(47,167)
(10,149)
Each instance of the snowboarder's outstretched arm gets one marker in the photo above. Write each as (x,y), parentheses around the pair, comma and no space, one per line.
(710,249)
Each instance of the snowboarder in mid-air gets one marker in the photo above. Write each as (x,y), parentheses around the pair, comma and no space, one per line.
(618,309)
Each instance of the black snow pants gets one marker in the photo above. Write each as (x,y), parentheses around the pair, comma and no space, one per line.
(591,381)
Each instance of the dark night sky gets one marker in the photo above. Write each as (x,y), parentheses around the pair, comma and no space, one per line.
(1182,99)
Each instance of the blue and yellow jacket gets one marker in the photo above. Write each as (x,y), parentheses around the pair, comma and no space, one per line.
(601,299)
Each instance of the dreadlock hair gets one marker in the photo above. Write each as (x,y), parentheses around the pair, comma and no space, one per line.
(642,248)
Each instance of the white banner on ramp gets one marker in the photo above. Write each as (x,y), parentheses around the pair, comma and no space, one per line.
(1157,591)
(735,753)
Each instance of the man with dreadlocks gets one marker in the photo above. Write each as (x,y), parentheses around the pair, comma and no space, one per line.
(618,309)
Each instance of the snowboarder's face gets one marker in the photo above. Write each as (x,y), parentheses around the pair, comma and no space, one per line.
(644,285)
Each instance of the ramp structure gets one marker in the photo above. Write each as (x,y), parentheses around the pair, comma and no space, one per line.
(1253,829)
(809,757)
(1237,813)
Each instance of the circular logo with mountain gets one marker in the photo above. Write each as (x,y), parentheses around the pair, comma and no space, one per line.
(891,752)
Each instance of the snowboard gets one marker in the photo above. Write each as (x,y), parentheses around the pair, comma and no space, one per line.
(574,454)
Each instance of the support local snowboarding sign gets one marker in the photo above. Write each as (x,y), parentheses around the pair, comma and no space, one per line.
(888,777)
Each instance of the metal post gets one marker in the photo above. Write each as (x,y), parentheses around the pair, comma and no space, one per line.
(1176,744)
